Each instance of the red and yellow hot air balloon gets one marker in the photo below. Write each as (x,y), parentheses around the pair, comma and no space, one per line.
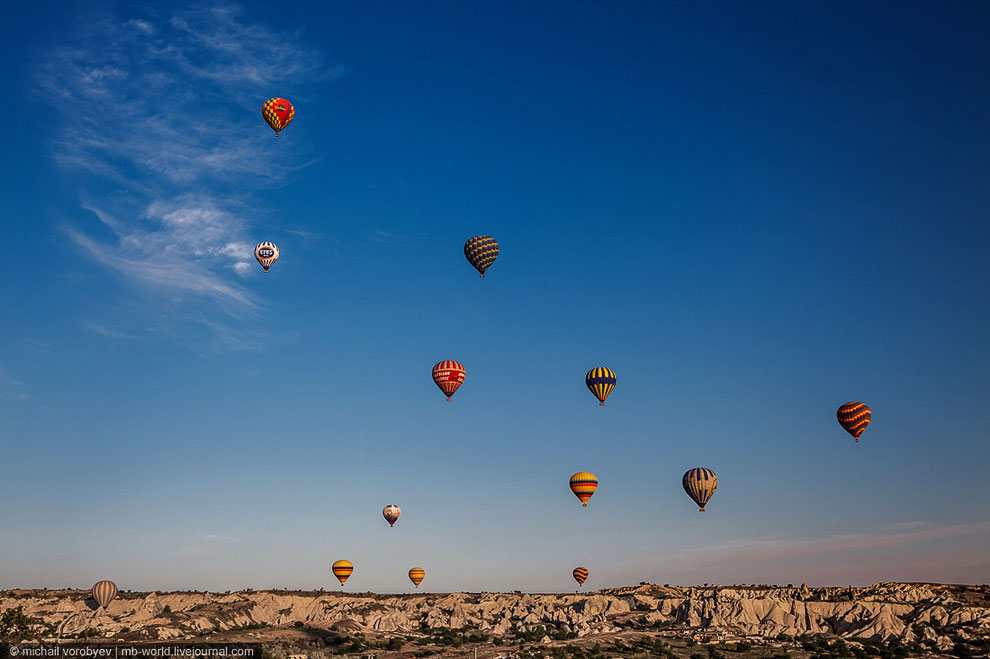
(342,569)
(481,252)
(583,485)
(854,417)
(700,484)
(416,575)
(580,574)
(104,592)
(600,381)
(278,112)
(448,375)
(391,513)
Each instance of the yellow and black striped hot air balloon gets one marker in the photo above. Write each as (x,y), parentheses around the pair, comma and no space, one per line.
(416,575)
(104,592)
(342,569)
(854,417)
(266,253)
(481,252)
(583,485)
(580,574)
(700,484)
(600,382)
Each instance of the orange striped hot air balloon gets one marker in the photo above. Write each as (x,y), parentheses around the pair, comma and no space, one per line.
(391,514)
(416,575)
(700,484)
(854,417)
(583,485)
(448,375)
(104,592)
(278,112)
(580,574)
(342,569)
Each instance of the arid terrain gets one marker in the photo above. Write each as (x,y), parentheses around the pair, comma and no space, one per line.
(885,620)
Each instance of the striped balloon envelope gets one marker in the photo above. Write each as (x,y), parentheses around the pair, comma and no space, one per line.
(481,252)
(583,485)
(700,484)
(416,575)
(104,592)
(580,574)
(266,253)
(342,569)
(391,514)
(600,382)
(854,417)
(448,375)
(278,112)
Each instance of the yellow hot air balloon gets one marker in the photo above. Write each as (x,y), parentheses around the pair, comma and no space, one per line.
(342,569)
(583,485)
(600,381)
(416,575)
(104,592)
(700,484)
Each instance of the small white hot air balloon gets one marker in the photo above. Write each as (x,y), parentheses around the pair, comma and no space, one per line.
(267,254)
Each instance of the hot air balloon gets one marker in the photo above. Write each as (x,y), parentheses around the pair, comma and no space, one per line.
(342,569)
(278,112)
(583,485)
(104,592)
(600,382)
(580,574)
(854,417)
(391,514)
(481,252)
(267,254)
(448,375)
(416,575)
(700,484)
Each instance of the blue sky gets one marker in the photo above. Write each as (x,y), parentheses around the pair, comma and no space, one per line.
(752,214)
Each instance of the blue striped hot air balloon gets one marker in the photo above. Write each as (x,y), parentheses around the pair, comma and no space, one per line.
(700,484)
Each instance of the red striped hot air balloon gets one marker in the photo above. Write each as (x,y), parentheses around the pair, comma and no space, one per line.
(342,569)
(391,514)
(278,112)
(583,485)
(854,417)
(448,375)
(104,592)
(416,575)
(580,574)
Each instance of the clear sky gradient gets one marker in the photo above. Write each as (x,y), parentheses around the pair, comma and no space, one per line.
(751,212)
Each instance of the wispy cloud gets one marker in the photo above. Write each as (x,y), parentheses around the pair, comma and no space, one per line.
(11,388)
(166,108)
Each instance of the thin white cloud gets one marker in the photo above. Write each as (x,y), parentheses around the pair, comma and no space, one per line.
(165,106)
(11,388)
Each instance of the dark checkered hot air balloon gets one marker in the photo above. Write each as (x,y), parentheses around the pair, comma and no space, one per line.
(700,484)
(448,375)
(854,417)
(278,112)
(600,382)
(481,252)
(580,574)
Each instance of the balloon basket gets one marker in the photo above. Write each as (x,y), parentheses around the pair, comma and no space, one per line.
(857,439)
(584,505)
(482,276)
(701,510)
(448,399)
(602,404)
